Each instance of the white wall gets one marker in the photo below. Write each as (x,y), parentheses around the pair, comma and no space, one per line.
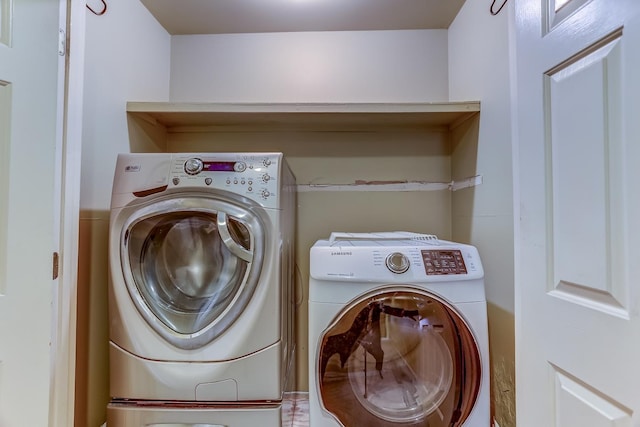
(365,66)
(479,69)
(127,58)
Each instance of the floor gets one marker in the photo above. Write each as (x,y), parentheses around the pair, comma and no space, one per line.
(295,410)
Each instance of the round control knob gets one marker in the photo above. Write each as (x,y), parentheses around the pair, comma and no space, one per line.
(266,177)
(193,166)
(397,263)
(239,166)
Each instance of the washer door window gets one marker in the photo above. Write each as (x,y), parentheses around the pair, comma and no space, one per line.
(398,357)
(192,272)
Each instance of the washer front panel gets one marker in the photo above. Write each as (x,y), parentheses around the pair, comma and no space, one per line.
(398,356)
(191,264)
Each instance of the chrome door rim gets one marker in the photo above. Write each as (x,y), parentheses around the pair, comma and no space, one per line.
(246,211)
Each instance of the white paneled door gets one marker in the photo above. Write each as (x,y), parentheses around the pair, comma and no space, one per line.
(578,238)
(29,145)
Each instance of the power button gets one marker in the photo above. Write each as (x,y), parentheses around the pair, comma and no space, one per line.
(193,166)
(397,262)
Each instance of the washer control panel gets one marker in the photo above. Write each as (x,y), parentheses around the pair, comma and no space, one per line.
(436,262)
(440,262)
(251,175)
(394,261)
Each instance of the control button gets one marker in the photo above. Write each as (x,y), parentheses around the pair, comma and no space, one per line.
(208,181)
(239,166)
(266,177)
(250,189)
(228,181)
(175,181)
(242,182)
(397,263)
(266,162)
(265,193)
(250,182)
(235,181)
(193,166)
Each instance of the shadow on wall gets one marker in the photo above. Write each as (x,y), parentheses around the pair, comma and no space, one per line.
(146,135)
(503,387)
(92,348)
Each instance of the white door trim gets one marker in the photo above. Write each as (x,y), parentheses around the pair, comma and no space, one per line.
(62,393)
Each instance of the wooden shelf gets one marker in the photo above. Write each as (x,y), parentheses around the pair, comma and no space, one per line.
(197,117)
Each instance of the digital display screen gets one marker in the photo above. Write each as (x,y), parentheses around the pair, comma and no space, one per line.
(441,262)
(218,166)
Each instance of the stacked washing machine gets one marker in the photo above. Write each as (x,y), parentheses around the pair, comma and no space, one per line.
(397,332)
(201,299)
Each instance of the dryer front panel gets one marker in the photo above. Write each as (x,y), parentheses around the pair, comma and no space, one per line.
(191,266)
(398,356)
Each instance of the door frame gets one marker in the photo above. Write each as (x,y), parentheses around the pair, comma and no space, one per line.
(67,212)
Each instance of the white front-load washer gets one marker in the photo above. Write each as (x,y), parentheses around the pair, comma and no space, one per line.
(201,288)
(397,332)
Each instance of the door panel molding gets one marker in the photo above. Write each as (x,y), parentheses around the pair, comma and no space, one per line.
(555,12)
(6,18)
(585,177)
(578,404)
(5,135)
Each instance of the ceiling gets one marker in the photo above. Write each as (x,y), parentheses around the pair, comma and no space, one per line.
(261,16)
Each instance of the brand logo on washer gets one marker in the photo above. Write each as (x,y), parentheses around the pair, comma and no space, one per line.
(132,168)
(341,253)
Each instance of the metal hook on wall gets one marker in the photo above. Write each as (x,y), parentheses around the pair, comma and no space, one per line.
(102,12)
(492,8)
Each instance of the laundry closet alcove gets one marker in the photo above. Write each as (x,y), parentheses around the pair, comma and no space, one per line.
(359,167)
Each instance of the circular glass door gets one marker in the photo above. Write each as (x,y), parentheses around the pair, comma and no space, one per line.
(192,272)
(398,357)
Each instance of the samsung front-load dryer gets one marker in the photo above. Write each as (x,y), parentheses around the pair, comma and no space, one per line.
(201,282)
(397,332)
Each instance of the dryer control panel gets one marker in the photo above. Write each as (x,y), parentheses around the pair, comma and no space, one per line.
(255,176)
